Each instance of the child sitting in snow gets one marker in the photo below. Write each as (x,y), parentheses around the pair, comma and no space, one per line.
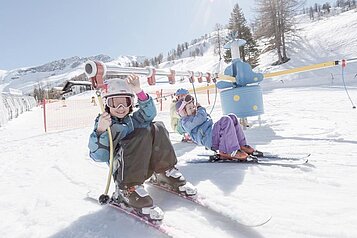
(225,135)
(142,148)
(175,117)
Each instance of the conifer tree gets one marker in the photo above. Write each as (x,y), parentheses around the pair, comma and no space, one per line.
(238,24)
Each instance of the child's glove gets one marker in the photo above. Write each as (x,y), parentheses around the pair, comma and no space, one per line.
(104,122)
(134,83)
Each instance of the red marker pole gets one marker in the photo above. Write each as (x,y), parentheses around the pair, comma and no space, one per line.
(44,113)
(161,101)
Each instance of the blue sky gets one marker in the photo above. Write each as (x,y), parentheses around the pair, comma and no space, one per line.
(36,32)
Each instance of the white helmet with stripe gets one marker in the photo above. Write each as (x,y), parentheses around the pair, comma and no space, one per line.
(117,87)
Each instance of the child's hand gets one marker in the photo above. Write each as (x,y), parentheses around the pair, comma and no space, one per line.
(104,122)
(134,83)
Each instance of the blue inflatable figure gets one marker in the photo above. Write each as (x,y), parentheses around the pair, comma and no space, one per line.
(239,97)
(238,69)
(243,73)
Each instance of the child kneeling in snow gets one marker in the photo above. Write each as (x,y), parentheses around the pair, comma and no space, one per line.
(142,148)
(225,135)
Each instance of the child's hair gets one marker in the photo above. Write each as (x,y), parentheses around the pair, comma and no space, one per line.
(107,109)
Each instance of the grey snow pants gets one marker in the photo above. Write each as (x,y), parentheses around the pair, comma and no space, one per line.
(141,153)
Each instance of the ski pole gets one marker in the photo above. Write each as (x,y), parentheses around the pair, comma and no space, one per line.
(104,198)
(96,71)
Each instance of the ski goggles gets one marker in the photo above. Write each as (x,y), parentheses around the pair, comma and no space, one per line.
(118,101)
(187,100)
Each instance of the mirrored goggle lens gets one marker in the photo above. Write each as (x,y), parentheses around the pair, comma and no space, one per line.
(188,99)
(116,102)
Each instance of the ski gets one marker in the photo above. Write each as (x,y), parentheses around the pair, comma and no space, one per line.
(199,201)
(157,225)
(281,162)
(273,160)
(132,212)
(284,156)
(267,155)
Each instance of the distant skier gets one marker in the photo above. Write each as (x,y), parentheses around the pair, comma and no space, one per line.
(93,101)
(142,148)
(225,135)
(175,117)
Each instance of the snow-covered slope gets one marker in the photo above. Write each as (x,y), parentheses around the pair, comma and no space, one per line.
(46,178)
(328,39)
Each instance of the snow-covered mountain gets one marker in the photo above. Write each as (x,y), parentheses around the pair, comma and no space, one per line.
(54,73)
(2,72)
(48,75)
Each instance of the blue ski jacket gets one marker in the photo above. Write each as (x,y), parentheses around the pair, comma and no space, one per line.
(120,128)
(199,127)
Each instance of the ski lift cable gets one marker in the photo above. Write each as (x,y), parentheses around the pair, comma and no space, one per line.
(215,98)
(344,83)
(215,84)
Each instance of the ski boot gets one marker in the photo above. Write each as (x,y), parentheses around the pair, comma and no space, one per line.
(244,123)
(235,155)
(251,151)
(174,180)
(137,198)
(186,138)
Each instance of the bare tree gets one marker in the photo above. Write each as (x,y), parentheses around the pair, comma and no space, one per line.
(311,13)
(275,22)
(218,43)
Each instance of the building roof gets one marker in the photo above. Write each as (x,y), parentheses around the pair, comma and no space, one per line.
(67,87)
